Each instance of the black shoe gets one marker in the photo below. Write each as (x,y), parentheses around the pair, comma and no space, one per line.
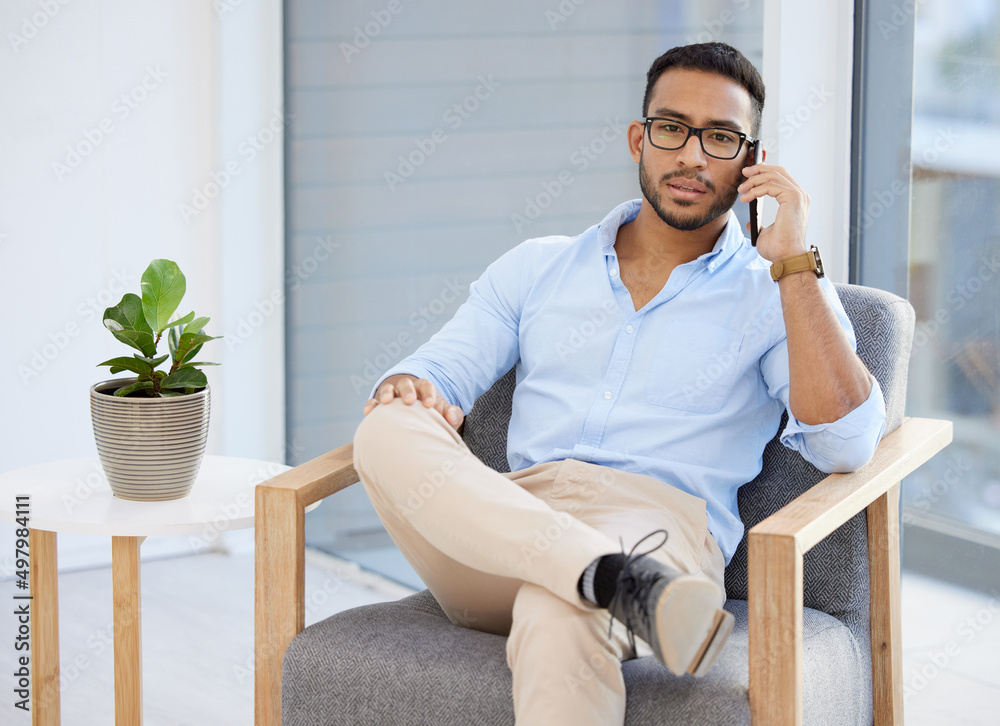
(677,614)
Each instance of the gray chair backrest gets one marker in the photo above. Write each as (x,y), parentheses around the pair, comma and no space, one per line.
(836,570)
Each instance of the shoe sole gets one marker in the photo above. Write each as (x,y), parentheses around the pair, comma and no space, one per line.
(687,624)
(722,628)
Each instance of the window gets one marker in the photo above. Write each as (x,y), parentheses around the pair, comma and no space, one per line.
(952,506)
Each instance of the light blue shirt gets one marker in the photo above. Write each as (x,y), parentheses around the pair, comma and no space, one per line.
(689,389)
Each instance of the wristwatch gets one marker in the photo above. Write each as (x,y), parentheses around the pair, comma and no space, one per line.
(806,262)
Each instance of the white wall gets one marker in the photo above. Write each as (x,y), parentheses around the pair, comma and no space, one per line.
(808,66)
(201,82)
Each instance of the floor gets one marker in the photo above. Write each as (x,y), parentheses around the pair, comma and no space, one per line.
(198,635)
(197,623)
(951,654)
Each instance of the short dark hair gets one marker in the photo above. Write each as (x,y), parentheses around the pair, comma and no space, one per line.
(714,57)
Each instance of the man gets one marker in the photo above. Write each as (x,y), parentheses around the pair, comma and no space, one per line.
(655,355)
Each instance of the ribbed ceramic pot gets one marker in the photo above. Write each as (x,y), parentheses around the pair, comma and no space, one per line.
(150,448)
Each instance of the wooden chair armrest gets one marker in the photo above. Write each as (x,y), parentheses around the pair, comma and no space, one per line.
(776,549)
(279,566)
(318,478)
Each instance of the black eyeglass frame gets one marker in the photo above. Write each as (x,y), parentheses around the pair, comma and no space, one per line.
(694,131)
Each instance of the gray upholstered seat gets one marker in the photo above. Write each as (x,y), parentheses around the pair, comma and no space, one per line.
(405,663)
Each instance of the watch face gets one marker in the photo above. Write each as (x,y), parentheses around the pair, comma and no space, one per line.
(819,262)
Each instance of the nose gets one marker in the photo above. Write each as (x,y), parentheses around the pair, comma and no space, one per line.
(691,154)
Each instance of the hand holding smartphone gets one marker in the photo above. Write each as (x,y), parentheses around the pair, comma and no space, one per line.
(758,153)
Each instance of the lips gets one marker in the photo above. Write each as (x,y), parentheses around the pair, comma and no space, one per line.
(686,189)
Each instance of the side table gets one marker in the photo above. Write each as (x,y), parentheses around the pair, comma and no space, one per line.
(74,497)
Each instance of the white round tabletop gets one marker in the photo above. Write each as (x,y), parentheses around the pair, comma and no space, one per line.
(74,496)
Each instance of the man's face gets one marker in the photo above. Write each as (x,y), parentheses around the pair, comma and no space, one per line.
(686,187)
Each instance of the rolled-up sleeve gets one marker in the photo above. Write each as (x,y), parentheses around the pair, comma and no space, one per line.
(838,446)
(843,445)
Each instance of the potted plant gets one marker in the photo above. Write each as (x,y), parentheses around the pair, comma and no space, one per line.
(151,429)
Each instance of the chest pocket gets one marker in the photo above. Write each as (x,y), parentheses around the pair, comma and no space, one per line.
(694,366)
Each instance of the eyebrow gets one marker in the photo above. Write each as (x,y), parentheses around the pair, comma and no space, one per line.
(712,123)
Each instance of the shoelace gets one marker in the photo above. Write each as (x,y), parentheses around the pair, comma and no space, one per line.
(633,589)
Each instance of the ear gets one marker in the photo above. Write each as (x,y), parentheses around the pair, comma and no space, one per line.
(636,137)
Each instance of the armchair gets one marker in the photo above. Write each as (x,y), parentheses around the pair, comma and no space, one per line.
(814,588)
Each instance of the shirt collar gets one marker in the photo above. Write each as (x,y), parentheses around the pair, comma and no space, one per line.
(726,246)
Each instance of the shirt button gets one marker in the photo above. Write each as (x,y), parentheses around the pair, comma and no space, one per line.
(614,272)
(629,328)
(607,394)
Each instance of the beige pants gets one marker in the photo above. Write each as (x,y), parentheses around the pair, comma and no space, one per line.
(503,553)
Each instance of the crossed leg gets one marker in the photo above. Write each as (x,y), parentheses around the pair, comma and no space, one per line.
(503,553)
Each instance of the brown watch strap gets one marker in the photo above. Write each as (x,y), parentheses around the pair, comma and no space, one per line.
(806,262)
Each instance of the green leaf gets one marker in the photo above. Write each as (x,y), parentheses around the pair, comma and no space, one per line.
(163,286)
(137,386)
(187,379)
(197,325)
(127,322)
(182,321)
(189,345)
(136,365)
(153,362)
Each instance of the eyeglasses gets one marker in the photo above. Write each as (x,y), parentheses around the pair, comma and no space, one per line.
(670,135)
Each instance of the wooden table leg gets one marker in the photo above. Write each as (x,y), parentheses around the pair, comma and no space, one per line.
(128,630)
(44,607)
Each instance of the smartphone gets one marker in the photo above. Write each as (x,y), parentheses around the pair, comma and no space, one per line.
(758,152)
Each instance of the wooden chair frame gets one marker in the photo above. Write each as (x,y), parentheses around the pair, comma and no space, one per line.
(776,549)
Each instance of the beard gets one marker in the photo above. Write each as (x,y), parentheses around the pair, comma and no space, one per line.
(723,203)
